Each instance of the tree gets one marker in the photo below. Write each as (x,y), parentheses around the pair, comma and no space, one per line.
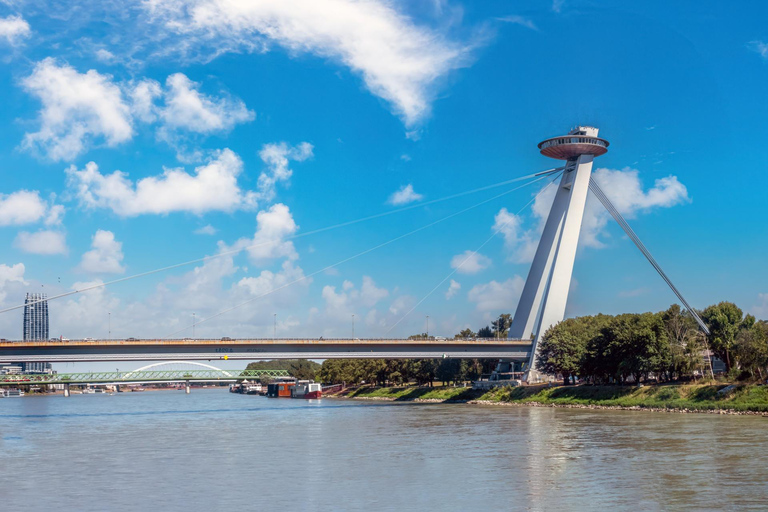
(724,320)
(465,334)
(501,326)
(561,351)
(485,332)
(685,341)
(751,348)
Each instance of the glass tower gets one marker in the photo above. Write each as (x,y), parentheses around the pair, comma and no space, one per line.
(35,326)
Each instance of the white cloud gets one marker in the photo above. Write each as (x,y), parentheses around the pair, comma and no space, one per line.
(759,47)
(212,187)
(453,289)
(41,242)
(272,226)
(78,109)
(10,274)
(22,207)
(624,189)
(205,230)
(398,60)
(13,29)
(106,255)
(187,108)
(404,196)
(370,294)
(271,283)
(277,157)
(339,306)
(518,243)
(761,309)
(495,296)
(519,20)
(83,109)
(470,262)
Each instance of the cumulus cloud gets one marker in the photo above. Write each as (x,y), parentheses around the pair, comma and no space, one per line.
(41,242)
(470,262)
(84,109)
(342,304)
(495,296)
(26,207)
(623,187)
(187,108)
(205,230)
(398,60)
(268,242)
(10,274)
(404,196)
(453,289)
(283,286)
(212,187)
(106,255)
(14,29)
(78,109)
(278,157)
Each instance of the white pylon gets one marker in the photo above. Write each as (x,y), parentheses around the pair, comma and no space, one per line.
(542,303)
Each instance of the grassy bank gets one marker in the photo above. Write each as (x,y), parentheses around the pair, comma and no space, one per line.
(741,397)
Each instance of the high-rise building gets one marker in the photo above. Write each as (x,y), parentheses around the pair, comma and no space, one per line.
(35,326)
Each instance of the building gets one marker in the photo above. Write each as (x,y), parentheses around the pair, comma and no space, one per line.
(35,326)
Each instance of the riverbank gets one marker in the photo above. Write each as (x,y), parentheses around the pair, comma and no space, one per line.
(716,399)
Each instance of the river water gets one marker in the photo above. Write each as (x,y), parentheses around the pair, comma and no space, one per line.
(212,450)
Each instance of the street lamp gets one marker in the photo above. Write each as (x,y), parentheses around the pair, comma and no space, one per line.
(353,326)
(427,326)
(193,325)
(109,323)
(274,328)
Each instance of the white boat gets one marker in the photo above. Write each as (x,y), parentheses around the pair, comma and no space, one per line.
(11,393)
(88,391)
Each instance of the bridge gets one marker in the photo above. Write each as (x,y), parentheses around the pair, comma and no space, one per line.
(542,303)
(157,372)
(260,349)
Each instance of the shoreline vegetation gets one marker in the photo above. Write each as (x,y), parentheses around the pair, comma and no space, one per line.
(742,399)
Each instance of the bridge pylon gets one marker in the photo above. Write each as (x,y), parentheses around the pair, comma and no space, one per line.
(542,303)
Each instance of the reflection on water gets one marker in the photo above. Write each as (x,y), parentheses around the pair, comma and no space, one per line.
(212,450)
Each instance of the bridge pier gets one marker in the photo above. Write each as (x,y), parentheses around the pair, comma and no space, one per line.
(186,387)
(66,390)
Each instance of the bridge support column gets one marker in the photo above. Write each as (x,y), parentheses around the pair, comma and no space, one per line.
(66,390)
(186,387)
(542,303)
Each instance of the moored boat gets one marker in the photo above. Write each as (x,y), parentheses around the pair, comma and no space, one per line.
(307,389)
(280,388)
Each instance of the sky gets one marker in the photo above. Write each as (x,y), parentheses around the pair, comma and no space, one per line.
(256,134)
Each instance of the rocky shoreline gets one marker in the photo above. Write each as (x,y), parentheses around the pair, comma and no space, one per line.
(731,412)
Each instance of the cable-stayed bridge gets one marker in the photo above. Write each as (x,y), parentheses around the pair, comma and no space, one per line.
(542,303)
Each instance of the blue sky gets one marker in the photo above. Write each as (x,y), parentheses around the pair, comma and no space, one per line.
(240,123)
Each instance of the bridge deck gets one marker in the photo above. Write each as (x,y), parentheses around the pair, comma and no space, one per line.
(254,349)
(207,375)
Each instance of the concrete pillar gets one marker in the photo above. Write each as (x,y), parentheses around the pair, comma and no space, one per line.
(66,390)
(186,387)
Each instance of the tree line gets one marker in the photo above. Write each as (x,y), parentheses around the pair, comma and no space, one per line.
(667,345)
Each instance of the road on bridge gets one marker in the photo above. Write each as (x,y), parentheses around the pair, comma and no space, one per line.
(259,349)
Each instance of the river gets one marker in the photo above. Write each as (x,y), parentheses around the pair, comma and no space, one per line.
(212,450)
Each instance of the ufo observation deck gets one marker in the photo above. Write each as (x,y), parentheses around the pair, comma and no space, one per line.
(567,147)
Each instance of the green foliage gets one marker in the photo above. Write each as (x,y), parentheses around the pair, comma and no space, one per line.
(724,320)
(465,334)
(501,326)
(485,332)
